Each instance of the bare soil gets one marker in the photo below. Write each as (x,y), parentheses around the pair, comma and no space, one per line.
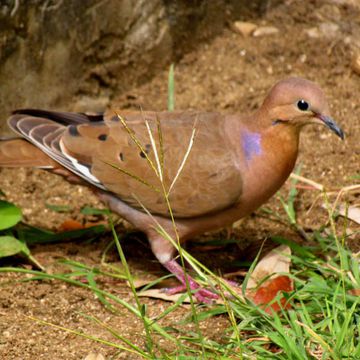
(231,74)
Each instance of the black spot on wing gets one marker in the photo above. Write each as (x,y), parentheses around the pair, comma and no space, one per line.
(102,137)
(73,131)
(147,150)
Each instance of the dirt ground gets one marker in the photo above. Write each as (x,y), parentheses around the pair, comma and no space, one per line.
(317,40)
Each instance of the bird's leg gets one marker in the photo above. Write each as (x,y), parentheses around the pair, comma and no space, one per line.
(165,251)
(162,248)
(203,295)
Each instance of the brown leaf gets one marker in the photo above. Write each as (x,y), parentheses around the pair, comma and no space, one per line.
(274,263)
(71,224)
(355,292)
(160,294)
(352,213)
(143,279)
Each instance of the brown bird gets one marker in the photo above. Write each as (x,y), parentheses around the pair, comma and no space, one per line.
(232,165)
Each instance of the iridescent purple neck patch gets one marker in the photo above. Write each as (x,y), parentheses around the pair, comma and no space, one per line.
(251,142)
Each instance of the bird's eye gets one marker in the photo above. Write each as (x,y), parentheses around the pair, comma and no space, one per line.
(302,105)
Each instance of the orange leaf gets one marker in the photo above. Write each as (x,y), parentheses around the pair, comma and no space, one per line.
(71,224)
(268,291)
(355,292)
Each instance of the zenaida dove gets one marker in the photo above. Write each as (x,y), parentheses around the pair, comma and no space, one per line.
(236,162)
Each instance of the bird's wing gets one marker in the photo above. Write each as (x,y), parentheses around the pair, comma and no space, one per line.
(117,158)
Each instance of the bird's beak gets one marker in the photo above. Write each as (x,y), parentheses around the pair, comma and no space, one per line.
(331,124)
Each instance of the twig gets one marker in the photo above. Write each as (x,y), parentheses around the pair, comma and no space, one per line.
(15,8)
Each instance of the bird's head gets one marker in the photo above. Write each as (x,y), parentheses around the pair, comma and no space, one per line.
(297,102)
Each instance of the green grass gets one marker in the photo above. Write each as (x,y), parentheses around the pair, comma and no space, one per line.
(323,321)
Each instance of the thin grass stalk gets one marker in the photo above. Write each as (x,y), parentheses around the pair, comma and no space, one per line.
(171,89)
(137,142)
(231,314)
(133,289)
(187,153)
(115,334)
(153,145)
(133,310)
(93,338)
(135,177)
(166,197)
(161,142)
(96,271)
(333,229)
(318,338)
(188,290)
(165,194)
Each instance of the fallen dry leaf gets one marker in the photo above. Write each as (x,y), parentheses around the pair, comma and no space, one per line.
(268,291)
(355,292)
(352,213)
(276,261)
(70,225)
(142,279)
(273,264)
(160,294)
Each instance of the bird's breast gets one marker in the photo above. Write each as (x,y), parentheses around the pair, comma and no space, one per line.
(268,160)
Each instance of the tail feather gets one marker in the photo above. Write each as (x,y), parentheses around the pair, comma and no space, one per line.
(65,118)
(43,131)
(21,153)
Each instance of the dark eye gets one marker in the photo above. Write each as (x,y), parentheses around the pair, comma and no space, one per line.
(302,105)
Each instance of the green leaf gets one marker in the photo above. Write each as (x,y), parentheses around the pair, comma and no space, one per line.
(34,235)
(10,215)
(10,246)
(296,248)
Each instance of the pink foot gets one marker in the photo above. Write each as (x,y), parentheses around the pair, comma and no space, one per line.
(202,295)
(175,290)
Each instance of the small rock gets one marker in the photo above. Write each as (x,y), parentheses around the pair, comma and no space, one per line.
(269,70)
(355,64)
(302,58)
(325,30)
(94,356)
(313,33)
(329,30)
(265,30)
(244,28)
(353,3)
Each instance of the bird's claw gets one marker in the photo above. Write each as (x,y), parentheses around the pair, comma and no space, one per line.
(202,295)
